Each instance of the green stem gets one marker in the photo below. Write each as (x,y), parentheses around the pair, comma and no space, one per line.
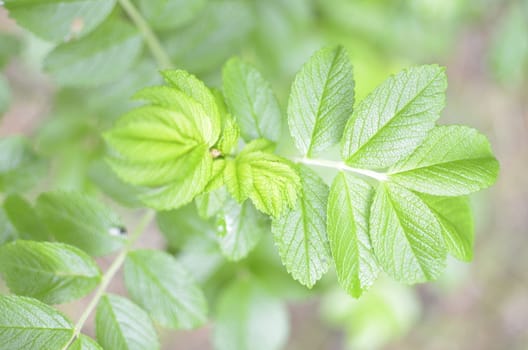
(342,167)
(109,275)
(150,37)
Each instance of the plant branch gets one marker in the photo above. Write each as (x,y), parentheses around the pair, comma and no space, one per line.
(341,166)
(150,37)
(109,275)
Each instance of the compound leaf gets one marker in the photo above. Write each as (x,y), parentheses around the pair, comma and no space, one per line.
(251,101)
(81,221)
(321,100)
(453,160)
(27,323)
(348,233)
(405,235)
(122,325)
(395,118)
(157,282)
(300,233)
(54,273)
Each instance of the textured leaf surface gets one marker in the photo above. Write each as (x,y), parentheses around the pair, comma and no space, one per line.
(101,57)
(395,118)
(27,323)
(248,317)
(321,101)
(251,101)
(157,282)
(122,325)
(406,236)
(51,272)
(456,220)
(168,14)
(300,233)
(25,219)
(453,160)
(59,20)
(348,233)
(241,228)
(81,221)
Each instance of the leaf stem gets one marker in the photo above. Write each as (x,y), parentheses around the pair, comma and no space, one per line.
(110,274)
(341,166)
(150,37)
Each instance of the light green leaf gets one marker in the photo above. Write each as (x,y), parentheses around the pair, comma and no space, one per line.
(100,57)
(209,204)
(453,160)
(251,100)
(348,233)
(230,133)
(157,282)
(20,167)
(219,32)
(7,231)
(169,14)
(321,100)
(27,323)
(300,233)
(25,219)
(54,273)
(81,221)
(238,179)
(248,317)
(241,227)
(395,118)
(85,343)
(456,220)
(164,147)
(405,235)
(5,95)
(59,20)
(122,325)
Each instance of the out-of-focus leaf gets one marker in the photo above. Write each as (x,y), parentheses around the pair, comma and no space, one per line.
(5,95)
(85,343)
(100,57)
(7,231)
(169,14)
(59,20)
(25,219)
(9,47)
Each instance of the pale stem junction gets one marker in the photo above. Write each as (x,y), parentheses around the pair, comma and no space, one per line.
(340,166)
(109,275)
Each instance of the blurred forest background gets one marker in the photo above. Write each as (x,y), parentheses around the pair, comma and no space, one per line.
(483,44)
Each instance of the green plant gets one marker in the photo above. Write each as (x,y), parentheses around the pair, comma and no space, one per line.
(212,167)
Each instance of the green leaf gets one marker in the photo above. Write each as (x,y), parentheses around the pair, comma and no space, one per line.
(395,118)
(27,323)
(157,282)
(101,57)
(59,20)
(85,343)
(169,14)
(300,233)
(54,273)
(25,219)
(238,179)
(241,228)
(20,167)
(405,235)
(219,32)
(5,95)
(7,231)
(9,47)
(122,325)
(348,233)
(248,317)
(251,100)
(456,220)
(230,133)
(81,221)
(209,204)
(321,100)
(165,146)
(452,161)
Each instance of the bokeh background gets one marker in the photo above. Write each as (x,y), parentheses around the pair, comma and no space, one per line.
(484,45)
